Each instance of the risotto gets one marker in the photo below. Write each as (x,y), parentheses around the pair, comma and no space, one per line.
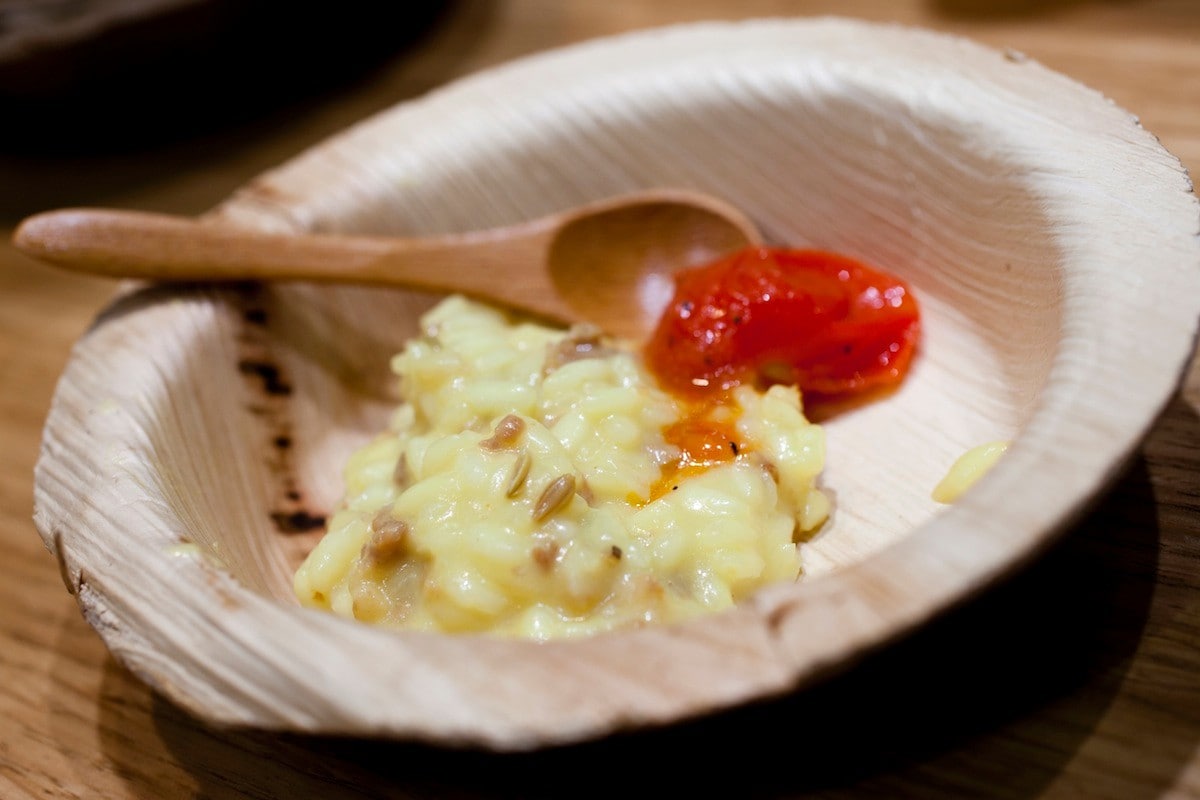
(538,482)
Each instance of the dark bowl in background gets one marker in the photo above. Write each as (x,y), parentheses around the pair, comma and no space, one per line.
(95,76)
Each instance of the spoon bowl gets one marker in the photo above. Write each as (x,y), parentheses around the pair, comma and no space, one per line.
(608,262)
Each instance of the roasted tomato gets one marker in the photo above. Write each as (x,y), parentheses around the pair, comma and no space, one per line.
(825,322)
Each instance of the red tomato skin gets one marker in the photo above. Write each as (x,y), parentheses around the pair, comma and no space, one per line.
(828,323)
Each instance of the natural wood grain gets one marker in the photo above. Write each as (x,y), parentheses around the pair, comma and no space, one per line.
(1089,658)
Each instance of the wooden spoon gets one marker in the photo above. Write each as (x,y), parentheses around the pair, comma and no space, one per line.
(608,263)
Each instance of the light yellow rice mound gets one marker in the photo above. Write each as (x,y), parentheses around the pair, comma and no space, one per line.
(512,491)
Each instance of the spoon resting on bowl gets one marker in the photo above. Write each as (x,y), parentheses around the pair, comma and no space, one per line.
(608,263)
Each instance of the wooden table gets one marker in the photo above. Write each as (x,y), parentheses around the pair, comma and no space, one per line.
(1080,677)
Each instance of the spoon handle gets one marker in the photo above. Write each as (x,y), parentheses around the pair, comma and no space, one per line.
(131,244)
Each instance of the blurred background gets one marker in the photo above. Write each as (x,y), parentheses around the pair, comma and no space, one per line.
(103,100)
(111,92)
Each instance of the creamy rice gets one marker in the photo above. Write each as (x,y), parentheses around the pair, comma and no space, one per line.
(967,470)
(526,487)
